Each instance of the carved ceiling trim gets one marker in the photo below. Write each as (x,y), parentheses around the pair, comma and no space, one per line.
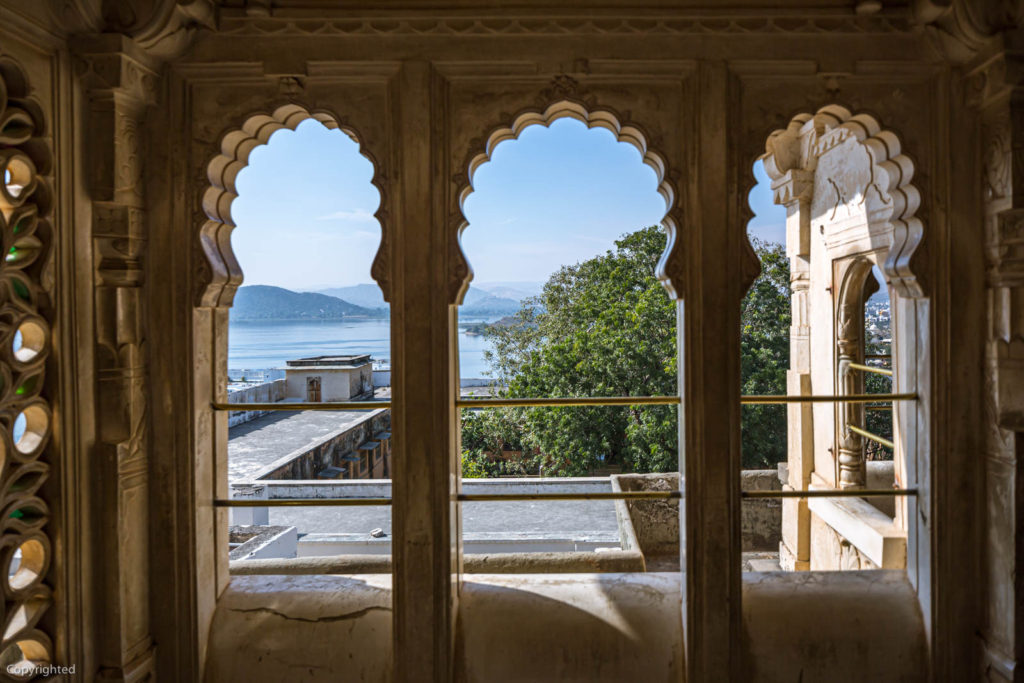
(555,26)
(570,101)
(892,199)
(222,275)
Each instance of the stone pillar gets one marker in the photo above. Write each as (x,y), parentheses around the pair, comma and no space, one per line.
(793,190)
(1000,99)
(120,83)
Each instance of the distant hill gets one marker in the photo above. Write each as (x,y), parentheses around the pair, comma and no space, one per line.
(477,302)
(366,295)
(261,302)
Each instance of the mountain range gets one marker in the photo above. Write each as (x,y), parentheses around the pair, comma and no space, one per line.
(498,298)
(263,302)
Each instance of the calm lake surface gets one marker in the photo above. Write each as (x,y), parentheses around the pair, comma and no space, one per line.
(268,344)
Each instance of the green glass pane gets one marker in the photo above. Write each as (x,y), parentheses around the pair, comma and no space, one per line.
(20,289)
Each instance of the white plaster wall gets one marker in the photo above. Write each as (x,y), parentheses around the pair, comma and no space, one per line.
(334,384)
(854,627)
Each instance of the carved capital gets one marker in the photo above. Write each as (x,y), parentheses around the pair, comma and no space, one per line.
(108,63)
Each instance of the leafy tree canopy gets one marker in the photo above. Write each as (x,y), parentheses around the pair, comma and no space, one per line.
(605,327)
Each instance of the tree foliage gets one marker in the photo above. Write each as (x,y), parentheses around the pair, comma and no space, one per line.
(605,327)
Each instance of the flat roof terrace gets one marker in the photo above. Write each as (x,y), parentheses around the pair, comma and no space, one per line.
(254,445)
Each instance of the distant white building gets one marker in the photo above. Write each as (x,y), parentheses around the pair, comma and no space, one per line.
(329,378)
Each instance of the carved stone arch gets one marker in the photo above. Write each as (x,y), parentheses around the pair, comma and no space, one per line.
(890,200)
(671,268)
(26,307)
(224,275)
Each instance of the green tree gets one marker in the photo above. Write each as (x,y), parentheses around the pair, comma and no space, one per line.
(605,327)
(764,357)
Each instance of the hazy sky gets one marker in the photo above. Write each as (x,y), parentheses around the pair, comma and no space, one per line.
(555,196)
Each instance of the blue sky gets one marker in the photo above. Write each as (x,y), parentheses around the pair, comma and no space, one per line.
(555,196)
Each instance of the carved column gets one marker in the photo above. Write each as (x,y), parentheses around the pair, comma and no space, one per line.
(852,468)
(793,190)
(120,83)
(998,92)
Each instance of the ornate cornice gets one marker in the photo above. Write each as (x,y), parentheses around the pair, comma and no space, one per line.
(242,25)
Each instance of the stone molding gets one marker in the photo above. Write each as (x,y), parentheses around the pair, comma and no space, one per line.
(221,275)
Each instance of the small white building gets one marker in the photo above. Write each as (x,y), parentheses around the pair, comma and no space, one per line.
(329,378)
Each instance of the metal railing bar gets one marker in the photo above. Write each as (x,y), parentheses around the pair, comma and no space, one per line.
(298,502)
(334,405)
(870,368)
(869,435)
(877,356)
(849,398)
(602,495)
(830,493)
(567,402)
(596,495)
(668,400)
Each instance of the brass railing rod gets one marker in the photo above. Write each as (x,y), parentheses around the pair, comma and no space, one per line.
(869,435)
(295,406)
(567,402)
(596,495)
(298,502)
(870,368)
(849,398)
(830,493)
(667,400)
(603,495)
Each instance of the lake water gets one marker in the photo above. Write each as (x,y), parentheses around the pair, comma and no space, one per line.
(268,344)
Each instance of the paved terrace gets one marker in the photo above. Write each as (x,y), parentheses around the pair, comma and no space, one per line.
(252,446)
(592,519)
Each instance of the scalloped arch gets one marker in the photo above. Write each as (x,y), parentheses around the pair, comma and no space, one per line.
(893,201)
(670,271)
(225,274)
